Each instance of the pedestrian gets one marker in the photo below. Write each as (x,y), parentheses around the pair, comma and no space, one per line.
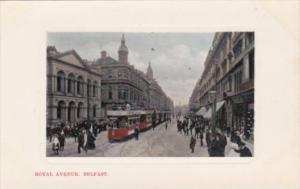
(192,143)
(228,130)
(62,140)
(212,146)
(222,143)
(235,137)
(136,133)
(219,151)
(55,144)
(90,141)
(166,125)
(82,141)
(243,150)
(201,138)
(207,137)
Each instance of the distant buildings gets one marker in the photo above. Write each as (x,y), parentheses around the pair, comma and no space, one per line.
(228,76)
(79,89)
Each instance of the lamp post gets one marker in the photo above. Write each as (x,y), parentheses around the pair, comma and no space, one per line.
(214,105)
(213,92)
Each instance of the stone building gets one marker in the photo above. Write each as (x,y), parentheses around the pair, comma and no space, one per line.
(158,99)
(73,88)
(228,78)
(122,84)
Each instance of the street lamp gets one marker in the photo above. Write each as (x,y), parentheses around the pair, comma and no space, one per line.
(214,122)
(213,117)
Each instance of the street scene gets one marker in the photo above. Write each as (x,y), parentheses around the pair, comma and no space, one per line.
(150,94)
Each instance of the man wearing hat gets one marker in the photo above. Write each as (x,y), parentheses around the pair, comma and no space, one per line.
(243,150)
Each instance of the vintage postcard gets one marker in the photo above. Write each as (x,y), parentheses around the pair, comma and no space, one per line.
(150,94)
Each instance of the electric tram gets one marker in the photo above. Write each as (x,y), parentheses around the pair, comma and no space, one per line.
(126,122)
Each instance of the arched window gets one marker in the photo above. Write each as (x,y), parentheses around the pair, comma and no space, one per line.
(61,106)
(80,110)
(60,81)
(71,84)
(71,111)
(80,85)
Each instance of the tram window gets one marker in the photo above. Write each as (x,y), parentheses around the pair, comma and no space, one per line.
(122,122)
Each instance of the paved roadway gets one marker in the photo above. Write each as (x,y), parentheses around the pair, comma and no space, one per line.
(152,143)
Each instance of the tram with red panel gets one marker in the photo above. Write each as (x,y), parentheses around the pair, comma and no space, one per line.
(125,122)
(146,120)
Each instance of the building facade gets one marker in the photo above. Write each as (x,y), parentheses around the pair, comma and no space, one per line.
(158,100)
(73,88)
(228,79)
(123,85)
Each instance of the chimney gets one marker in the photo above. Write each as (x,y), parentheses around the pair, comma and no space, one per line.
(103,54)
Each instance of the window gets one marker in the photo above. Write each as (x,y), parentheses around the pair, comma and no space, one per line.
(237,49)
(119,73)
(251,64)
(60,81)
(94,89)
(88,87)
(123,92)
(224,67)
(110,92)
(94,110)
(120,92)
(71,84)
(109,74)
(71,111)
(79,85)
(79,110)
(250,37)
(60,109)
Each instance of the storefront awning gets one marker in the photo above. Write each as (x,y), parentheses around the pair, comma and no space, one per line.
(201,112)
(219,105)
(208,114)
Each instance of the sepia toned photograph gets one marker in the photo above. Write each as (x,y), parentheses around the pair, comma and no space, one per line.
(114,94)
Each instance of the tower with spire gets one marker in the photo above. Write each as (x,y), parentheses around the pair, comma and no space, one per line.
(123,51)
(149,73)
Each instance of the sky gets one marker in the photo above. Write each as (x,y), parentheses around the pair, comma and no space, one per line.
(177,59)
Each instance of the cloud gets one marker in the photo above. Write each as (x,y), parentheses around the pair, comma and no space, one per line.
(178,70)
(177,61)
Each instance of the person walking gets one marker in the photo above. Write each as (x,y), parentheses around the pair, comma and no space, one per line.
(90,141)
(166,125)
(201,138)
(136,133)
(55,144)
(82,141)
(62,140)
(192,143)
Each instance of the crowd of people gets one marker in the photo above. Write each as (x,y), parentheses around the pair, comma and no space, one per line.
(84,133)
(215,138)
